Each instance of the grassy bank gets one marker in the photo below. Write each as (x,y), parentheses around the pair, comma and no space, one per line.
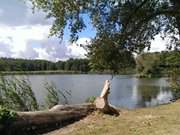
(161,120)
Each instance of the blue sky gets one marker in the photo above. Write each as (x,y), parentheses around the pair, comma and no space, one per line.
(25,35)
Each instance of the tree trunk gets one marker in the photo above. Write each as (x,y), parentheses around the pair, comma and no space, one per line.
(28,123)
(102,103)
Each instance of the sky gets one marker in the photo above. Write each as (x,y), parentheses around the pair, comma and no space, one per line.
(25,35)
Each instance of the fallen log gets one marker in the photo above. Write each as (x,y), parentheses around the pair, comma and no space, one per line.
(102,103)
(28,123)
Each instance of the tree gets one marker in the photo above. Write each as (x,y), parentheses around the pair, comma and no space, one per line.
(158,63)
(129,25)
(148,64)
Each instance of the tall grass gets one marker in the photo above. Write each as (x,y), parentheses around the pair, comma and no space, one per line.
(17,94)
(55,96)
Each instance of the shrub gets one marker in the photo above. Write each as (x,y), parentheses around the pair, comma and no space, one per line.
(6,116)
(175,84)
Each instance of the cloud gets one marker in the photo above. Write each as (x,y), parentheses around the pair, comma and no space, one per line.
(32,42)
(36,17)
(13,12)
(19,35)
(77,49)
(28,53)
(51,49)
(158,44)
(18,13)
(5,50)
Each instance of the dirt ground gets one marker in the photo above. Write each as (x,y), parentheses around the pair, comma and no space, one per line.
(161,120)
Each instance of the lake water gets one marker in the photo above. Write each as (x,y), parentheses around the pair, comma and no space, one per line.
(126,90)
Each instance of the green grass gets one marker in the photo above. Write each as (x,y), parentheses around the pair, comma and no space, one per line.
(161,120)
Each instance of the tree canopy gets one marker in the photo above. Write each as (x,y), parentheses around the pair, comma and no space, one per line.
(10,64)
(125,25)
(158,64)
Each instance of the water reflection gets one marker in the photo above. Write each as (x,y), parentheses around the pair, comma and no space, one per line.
(133,92)
(152,95)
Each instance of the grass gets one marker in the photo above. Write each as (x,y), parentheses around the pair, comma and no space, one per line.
(161,120)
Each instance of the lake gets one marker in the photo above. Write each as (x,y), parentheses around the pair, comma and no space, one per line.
(127,91)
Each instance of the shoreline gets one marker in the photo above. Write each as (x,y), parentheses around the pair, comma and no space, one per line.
(60,72)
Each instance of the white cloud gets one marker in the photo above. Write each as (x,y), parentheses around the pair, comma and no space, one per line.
(5,50)
(38,17)
(13,12)
(50,49)
(18,36)
(25,35)
(77,49)
(158,44)
(31,41)
(19,12)
(28,53)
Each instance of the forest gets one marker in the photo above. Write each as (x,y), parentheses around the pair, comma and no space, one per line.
(147,64)
(158,64)
(81,65)
(11,64)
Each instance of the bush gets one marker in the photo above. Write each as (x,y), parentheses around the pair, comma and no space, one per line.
(6,116)
(175,84)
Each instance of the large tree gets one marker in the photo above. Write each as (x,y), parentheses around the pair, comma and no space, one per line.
(121,25)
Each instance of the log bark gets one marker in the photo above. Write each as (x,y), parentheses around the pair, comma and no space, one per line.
(102,103)
(28,123)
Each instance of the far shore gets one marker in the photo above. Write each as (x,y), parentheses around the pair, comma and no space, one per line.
(60,72)
(40,72)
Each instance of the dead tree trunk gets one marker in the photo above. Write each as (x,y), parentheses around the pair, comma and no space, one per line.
(38,122)
(102,103)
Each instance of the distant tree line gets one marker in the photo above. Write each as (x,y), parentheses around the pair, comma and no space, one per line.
(74,65)
(11,64)
(158,63)
(82,65)
(147,64)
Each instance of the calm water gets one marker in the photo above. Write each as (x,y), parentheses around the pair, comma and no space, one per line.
(126,90)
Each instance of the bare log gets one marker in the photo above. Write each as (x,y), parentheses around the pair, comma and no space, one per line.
(102,103)
(28,123)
